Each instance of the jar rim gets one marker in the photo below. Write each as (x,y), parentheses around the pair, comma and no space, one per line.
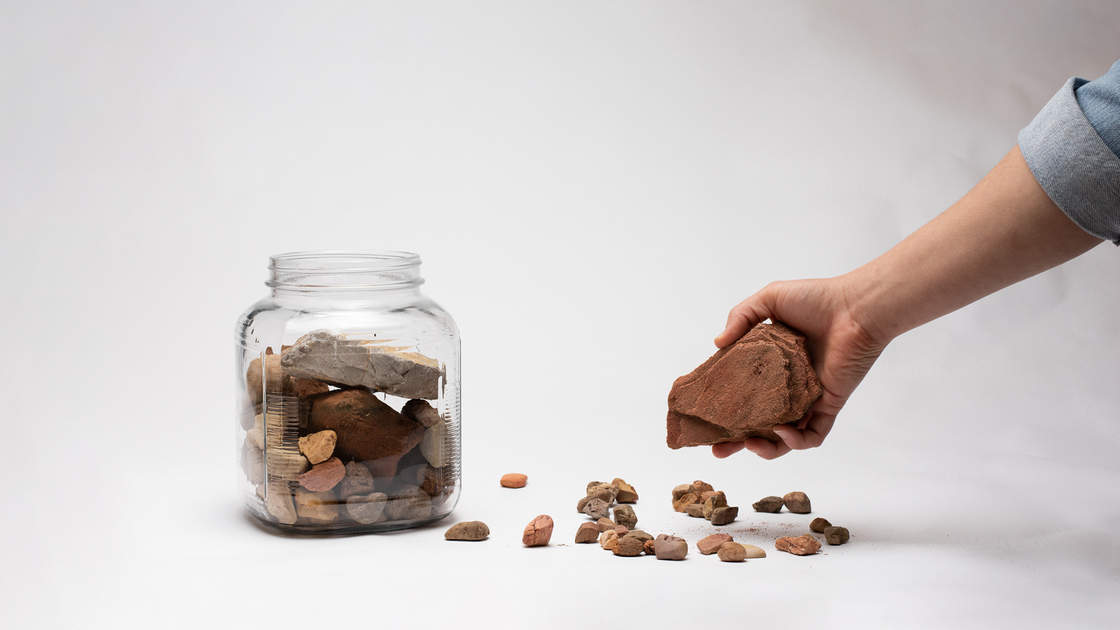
(344,270)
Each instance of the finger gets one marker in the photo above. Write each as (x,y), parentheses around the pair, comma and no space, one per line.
(765,448)
(746,315)
(812,436)
(726,449)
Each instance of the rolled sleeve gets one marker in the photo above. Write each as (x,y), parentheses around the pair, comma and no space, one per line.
(1073,164)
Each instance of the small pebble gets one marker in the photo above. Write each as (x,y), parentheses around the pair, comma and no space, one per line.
(715,500)
(323,476)
(582,503)
(711,544)
(670,548)
(836,535)
(514,480)
(681,490)
(699,487)
(367,508)
(538,531)
(769,504)
(754,552)
(626,492)
(624,515)
(318,447)
(587,533)
(724,515)
(695,510)
(629,547)
(819,525)
(732,552)
(803,545)
(639,534)
(650,549)
(797,503)
(686,500)
(622,530)
(606,524)
(597,508)
(608,540)
(597,486)
(467,530)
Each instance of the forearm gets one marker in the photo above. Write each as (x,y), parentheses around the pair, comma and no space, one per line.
(1004,230)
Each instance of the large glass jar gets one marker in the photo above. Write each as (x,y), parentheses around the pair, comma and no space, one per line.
(347,396)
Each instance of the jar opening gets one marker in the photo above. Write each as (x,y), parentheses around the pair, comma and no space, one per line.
(344,271)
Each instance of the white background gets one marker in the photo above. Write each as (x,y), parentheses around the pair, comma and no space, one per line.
(591,185)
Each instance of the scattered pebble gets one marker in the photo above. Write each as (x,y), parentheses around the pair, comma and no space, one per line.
(724,515)
(836,535)
(680,491)
(754,552)
(514,480)
(626,492)
(732,552)
(622,530)
(769,504)
(797,503)
(687,499)
(714,500)
(538,532)
(605,524)
(587,533)
(803,545)
(695,510)
(700,487)
(467,530)
(582,503)
(650,548)
(711,544)
(597,508)
(640,535)
(629,546)
(819,525)
(624,515)
(608,540)
(596,486)
(667,547)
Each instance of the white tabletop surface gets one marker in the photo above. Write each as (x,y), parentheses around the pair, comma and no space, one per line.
(591,187)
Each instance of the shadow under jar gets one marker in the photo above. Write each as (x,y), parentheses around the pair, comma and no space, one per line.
(347,396)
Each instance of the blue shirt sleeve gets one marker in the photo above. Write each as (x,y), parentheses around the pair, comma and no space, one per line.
(1073,149)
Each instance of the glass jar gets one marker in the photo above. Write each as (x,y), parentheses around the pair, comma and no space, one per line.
(347,396)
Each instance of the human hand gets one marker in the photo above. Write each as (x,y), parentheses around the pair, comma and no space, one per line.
(841,348)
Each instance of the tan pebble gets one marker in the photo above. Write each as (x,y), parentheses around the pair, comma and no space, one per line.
(639,534)
(711,544)
(587,533)
(606,524)
(514,480)
(367,508)
(608,540)
(278,502)
(732,552)
(629,547)
(626,492)
(695,510)
(318,507)
(358,480)
(704,495)
(803,545)
(681,490)
(715,500)
(699,487)
(724,515)
(624,515)
(754,552)
(318,447)
(650,547)
(797,502)
(254,464)
(686,500)
(596,489)
(323,476)
(622,530)
(538,532)
(467,530)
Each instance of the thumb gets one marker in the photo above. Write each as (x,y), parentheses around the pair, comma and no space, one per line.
(748,314)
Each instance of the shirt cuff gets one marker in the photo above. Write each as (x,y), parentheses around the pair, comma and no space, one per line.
(1073,165)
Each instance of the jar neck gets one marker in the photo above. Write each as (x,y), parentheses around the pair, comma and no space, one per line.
(344,275)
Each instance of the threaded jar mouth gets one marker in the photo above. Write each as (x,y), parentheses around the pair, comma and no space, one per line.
(344,271)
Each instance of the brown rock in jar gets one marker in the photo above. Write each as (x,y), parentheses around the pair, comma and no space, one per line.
(324,476)
(318,447)
(278,381)
(320,508)
(367,429)
(358,480)
(367,508)
(409,503)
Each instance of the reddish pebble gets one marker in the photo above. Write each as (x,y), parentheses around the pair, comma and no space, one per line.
(804,545)
(514,480)
(324,476)
(538,532)
(712,543)
(587,533)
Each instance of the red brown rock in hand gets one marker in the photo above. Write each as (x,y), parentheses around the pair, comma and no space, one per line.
(803,545)
(538,532)
(367,429)
(744,390)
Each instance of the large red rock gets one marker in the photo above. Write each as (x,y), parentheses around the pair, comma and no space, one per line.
(744,390)
(368,430)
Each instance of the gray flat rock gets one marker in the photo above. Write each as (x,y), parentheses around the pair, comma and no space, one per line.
(333,359)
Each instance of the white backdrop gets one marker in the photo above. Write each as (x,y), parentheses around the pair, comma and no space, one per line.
(591,185)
